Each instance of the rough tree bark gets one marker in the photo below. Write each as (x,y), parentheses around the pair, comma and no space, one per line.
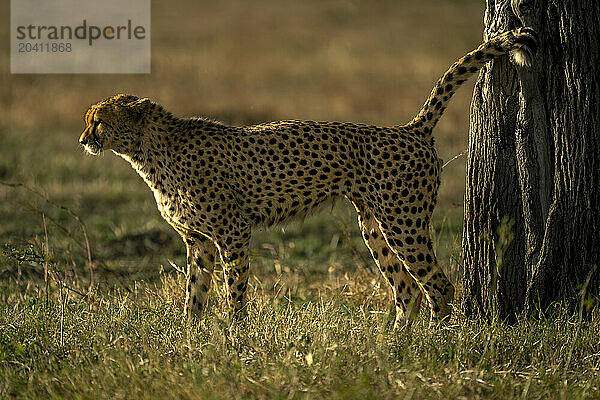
(532,201)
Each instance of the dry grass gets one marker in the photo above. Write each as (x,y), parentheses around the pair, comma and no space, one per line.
(135,344)
(240,62)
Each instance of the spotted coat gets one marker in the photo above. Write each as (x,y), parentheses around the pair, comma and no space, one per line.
(216,183)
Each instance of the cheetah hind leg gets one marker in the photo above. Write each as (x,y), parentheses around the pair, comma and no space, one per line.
(404,292)
(416,252)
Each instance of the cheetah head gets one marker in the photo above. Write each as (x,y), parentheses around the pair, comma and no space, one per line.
(114,124)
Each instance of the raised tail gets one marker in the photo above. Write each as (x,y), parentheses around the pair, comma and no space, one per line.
(521,44)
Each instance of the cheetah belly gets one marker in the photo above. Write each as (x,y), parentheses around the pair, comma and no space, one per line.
(272,195)
(268,210)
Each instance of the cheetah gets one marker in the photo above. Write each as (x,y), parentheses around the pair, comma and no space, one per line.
(215,183)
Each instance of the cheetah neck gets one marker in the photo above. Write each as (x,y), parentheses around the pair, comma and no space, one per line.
(154,158)
(150,156)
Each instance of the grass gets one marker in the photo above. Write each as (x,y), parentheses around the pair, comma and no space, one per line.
(102,317)
(135,344)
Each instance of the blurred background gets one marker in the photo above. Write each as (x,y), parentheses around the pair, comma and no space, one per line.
(240,62)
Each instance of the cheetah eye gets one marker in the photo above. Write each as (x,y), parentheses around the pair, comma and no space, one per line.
(95,127)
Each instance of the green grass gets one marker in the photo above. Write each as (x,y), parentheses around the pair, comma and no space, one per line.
(336,344)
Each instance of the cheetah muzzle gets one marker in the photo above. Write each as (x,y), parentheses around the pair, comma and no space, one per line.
(214,183)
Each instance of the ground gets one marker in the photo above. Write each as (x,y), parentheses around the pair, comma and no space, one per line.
(318,321)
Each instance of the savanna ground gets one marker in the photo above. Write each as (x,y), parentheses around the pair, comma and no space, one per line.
(90,294)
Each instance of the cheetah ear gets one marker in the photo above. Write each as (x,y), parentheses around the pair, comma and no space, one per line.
(139,108)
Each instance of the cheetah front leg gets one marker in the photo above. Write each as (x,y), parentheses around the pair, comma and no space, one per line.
(201,253)
(233,250)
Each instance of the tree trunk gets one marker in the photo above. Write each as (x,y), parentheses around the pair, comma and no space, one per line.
(532,202)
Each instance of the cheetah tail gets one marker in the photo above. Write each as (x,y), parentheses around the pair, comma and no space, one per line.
(521,44)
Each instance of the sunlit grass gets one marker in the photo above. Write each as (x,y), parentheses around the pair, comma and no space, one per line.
(336,344)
